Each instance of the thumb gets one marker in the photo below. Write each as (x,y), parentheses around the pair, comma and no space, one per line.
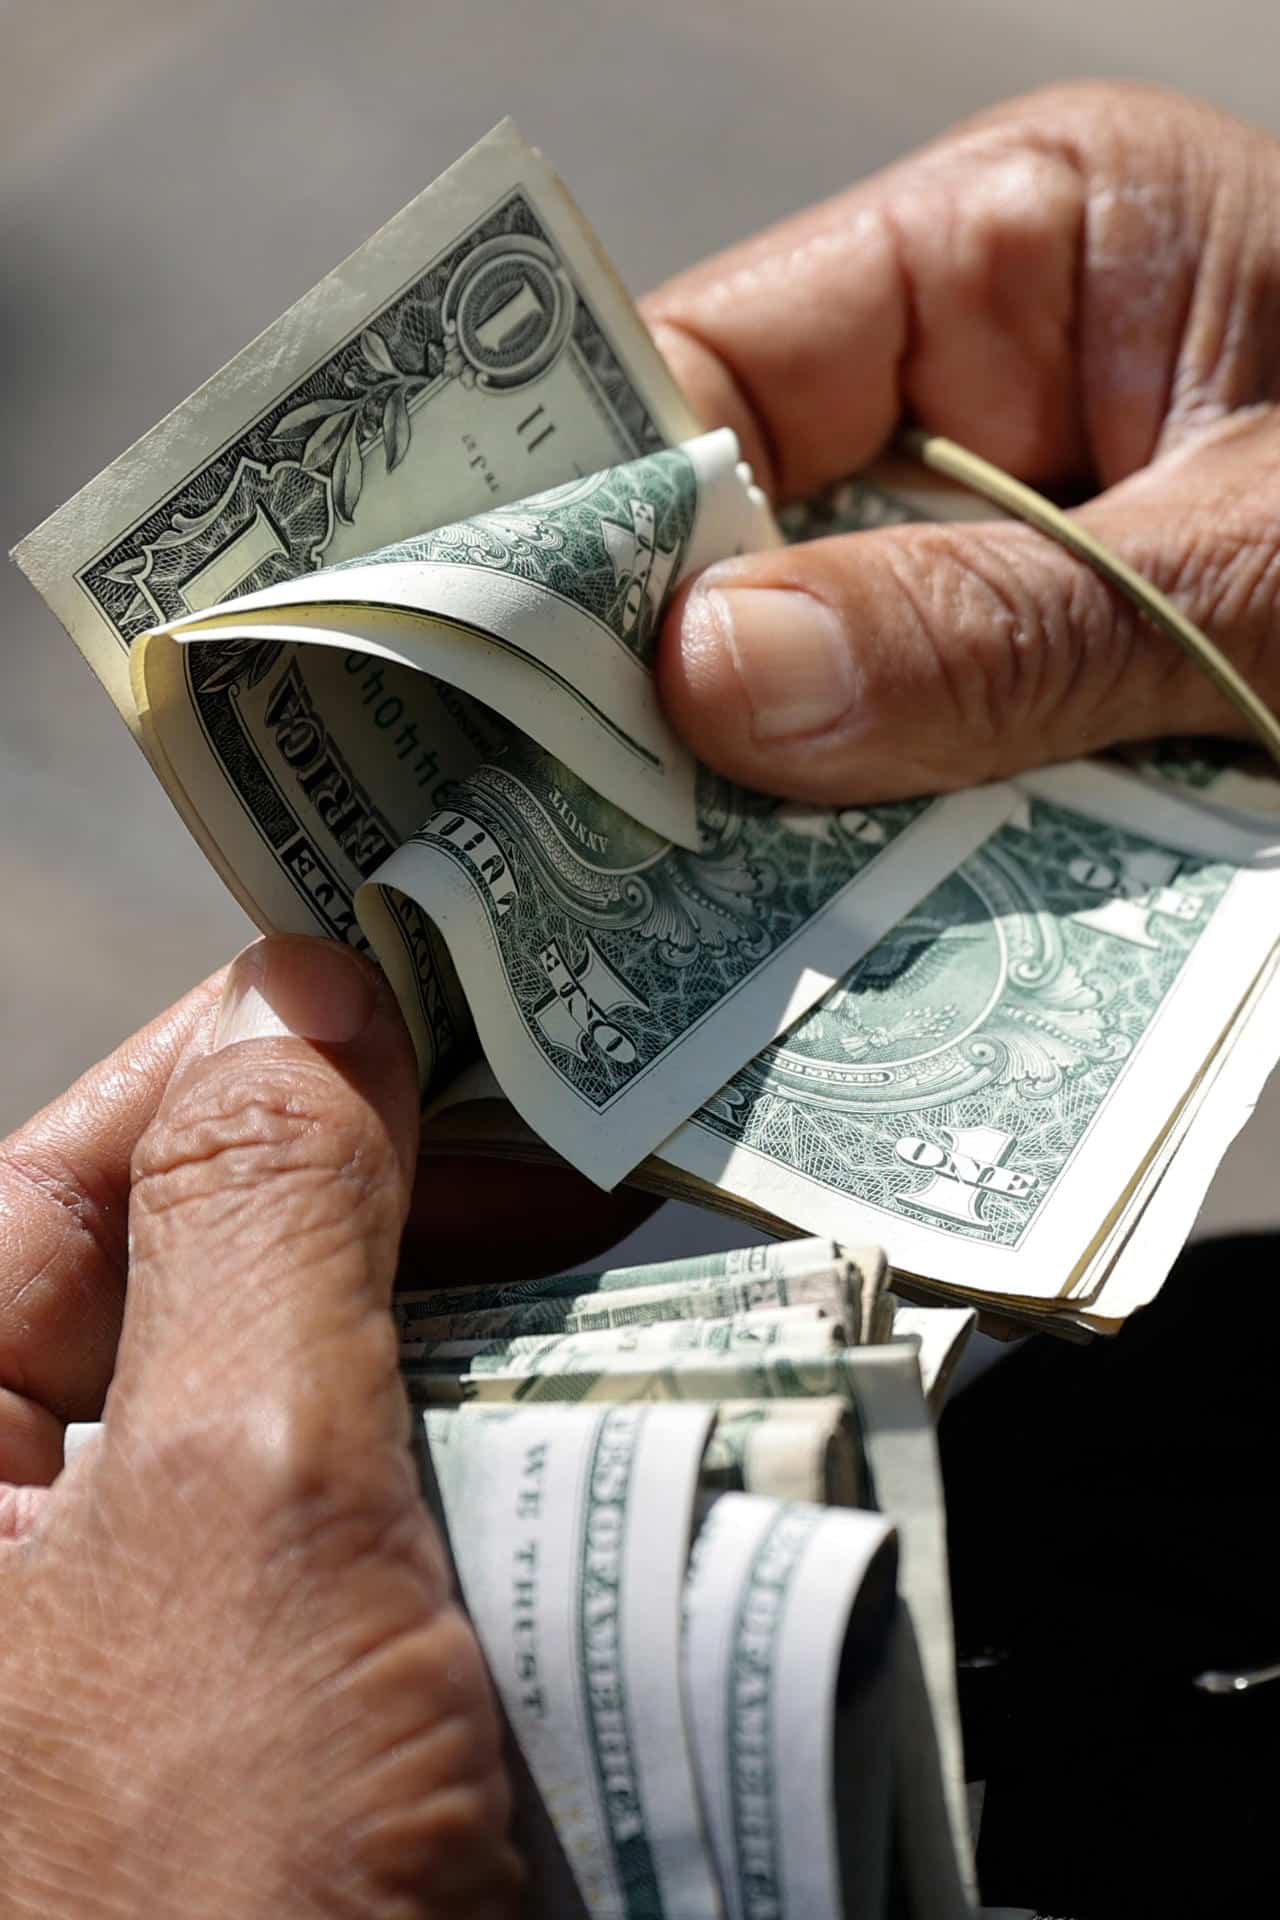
(926,657)
(269,1194)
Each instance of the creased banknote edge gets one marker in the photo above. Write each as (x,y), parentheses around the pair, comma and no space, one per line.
(902,1456)
(485,667)
(548,661)
(1118,1225)
(1168,1217)
(151,742)
(605,1146)
(1122,799)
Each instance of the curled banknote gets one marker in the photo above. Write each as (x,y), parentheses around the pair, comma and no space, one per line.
(705,1560)
(690,1732)
(548,610)
(380,603)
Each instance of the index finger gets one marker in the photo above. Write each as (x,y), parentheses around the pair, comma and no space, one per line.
(1025,285)
(64,1194)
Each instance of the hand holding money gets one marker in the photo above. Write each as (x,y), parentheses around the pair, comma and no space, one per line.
(233,1677)
(64,1196)
(383,605)
(370,584)
(1070,285)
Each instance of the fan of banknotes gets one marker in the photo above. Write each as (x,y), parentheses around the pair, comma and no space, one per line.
(380,603)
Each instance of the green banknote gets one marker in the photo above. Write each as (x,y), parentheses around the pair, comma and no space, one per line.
(381,603)
(643,1695)
(775,1593)
(510,1329)
(612,975)
(983,1089)
(792,1449)
(574,1584)
(547,609)
(786,1450)
(752,1280)
(456,1371)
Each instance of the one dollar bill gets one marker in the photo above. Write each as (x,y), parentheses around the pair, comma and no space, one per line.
(381,601)
(692,1734)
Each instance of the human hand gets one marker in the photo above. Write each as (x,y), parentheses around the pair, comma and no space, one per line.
(1083,286)
(64,1191)
(232,1679)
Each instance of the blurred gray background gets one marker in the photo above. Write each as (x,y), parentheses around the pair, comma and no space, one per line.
(174,172)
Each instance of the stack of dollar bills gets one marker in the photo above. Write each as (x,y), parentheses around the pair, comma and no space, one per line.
(695,1516)
(380,603)
(702,1485)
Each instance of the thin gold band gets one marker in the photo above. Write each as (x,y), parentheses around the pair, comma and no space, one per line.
(1015,498)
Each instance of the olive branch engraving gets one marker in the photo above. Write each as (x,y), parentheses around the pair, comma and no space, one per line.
(332,427)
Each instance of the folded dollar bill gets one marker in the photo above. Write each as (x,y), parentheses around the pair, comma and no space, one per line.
(682,1724)
(380,602)
(547,610)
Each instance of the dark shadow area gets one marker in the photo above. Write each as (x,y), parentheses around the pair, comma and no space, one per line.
(1111,1521)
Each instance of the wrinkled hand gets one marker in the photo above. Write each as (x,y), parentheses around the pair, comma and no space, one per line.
(232,1678)
(64,1191)
(1083,286)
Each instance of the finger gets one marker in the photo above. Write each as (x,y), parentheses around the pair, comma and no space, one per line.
(269,1196)
(30,1442)
(921,658)
(64,1202)
(252,1459)
(1063,284)
(64,1188)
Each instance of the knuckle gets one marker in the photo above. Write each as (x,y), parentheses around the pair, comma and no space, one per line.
(284,1146)
(1230,579)
(281,1462)
(980,626)
(430,1800)
(1051,638)
(1093,643)
(1227,359)
(706,377)
(1090,117)
(1116,98)
(456,1669)
(1232,569)
(455,1841)
(469,1814)
(1018,642)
